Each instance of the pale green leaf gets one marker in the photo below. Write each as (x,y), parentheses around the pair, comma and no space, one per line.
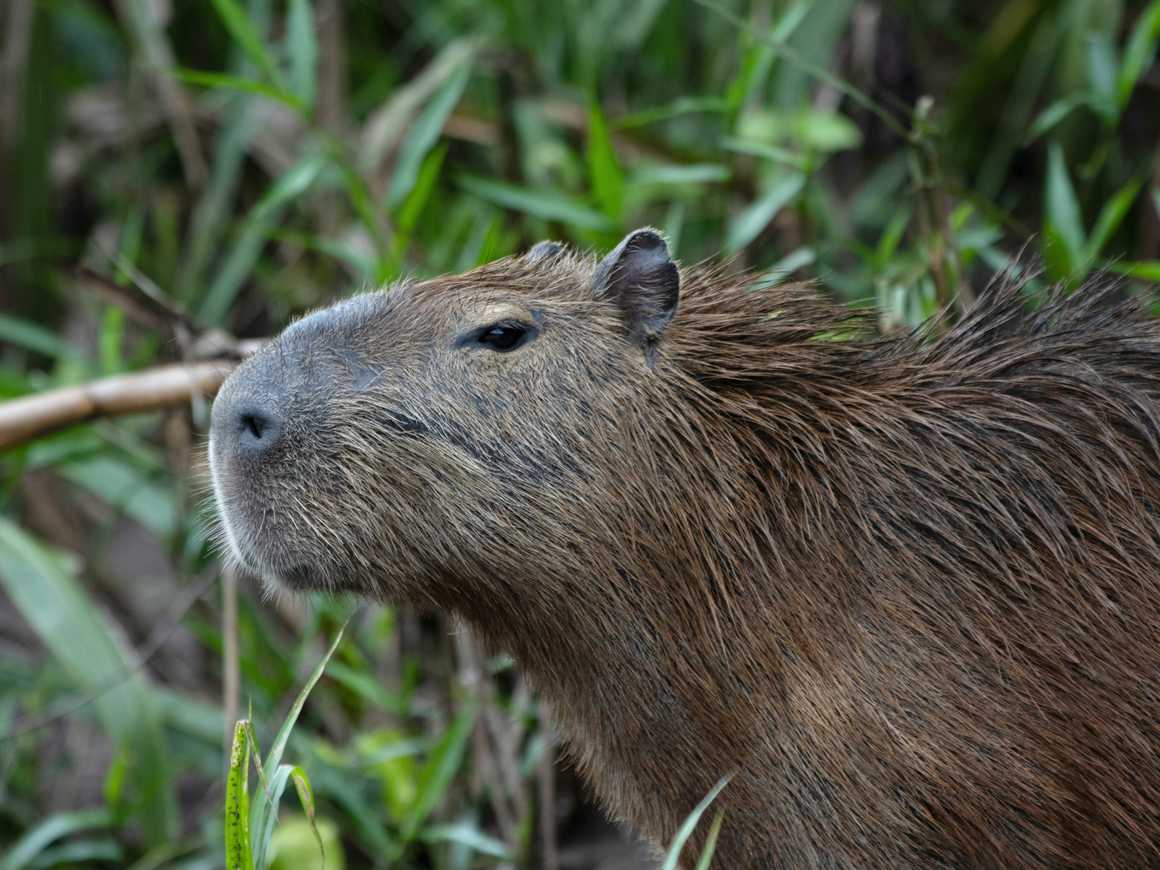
(43,587)
(1139,53)
(271,797)
(604,172)
(470,836)
(244,253)
(260,821)
(548,205)
(1054,114)
(424,133)
(36,338)
(303,50)
(1143,270)
(1063,221)
(306,799)
(240,84)
(670,174)
(1111,217)
(242,30)
(673,857)
(1102,74)
(748,224)
(24,852)
(438,770)
(706,859)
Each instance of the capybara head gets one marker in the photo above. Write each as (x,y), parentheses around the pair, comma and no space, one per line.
(406,442)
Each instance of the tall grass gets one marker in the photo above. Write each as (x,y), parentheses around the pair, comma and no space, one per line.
(228,165)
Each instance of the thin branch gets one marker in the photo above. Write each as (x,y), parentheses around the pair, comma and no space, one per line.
(231,667)
(156,389)
(141,300)
(489,769)
(549,848)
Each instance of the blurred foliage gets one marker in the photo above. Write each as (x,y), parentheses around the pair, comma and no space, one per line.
(244,160)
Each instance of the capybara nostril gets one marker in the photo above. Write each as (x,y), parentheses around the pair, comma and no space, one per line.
(256,429)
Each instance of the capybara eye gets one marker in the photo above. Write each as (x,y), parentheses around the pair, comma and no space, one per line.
(504,336)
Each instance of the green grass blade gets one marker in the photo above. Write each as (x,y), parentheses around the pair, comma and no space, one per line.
(189,716)
(638,19)
(412,208)
(302,48)
(808,68)
(274,756)
(1102,74)
(467,834)
(1055,114)
(746,226)
(240,84)
(363,201)
(111,339)
(786,266)
(669,175)
(706,859)
(1146,270)
(128,487)
(1111,217)
(261,821)
(84,852)
(243,255)
(242,30)
(240,125)
(257,227)
(271,797)
(439,770)
(306,799)
(548,205)
(689,825)
(25,851)
(752,72)
(237,810)
(292,184)
(604,172)
(417,200)
(386,125)
(36,338)
(676,109)
(771,153)
(43,586)
(1140,52)
(1063,222)
(424,133)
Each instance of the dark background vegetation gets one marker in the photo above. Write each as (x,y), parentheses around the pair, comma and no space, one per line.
(241,161)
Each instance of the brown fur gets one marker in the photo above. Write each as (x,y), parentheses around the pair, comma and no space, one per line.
(906,589)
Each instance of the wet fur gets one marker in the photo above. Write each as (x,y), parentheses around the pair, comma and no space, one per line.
(907,590)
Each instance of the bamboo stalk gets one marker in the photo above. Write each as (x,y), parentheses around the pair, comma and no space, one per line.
(170,386)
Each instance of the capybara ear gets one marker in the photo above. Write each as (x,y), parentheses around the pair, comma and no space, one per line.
(544,250)
(642,279)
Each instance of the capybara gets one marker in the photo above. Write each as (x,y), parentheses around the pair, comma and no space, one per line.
(905,590)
